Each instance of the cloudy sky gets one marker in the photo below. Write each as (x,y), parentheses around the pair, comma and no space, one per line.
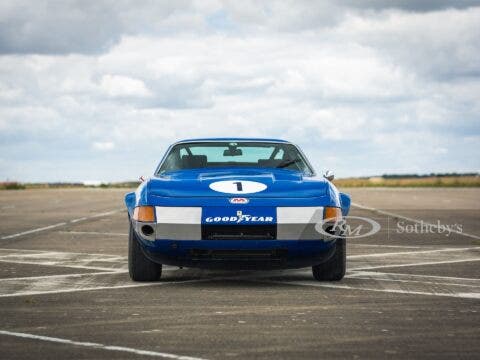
(96,90)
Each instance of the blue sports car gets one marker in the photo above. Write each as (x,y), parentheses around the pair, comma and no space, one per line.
(236,204)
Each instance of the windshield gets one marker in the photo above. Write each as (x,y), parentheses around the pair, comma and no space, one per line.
(235,154)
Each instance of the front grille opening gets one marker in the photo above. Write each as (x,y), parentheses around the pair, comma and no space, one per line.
(243,254)
(239,232)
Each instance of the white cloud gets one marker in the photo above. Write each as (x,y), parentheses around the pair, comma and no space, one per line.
(121,86)
(371,91)
(103,146)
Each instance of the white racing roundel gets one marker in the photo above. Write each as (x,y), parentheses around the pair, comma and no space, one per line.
(237,186)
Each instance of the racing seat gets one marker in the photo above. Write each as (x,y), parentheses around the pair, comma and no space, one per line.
(194,161)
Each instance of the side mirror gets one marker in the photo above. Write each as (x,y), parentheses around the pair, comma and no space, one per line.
(141,179)
(329,175)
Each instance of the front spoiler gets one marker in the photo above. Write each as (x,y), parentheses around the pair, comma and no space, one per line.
(239,254)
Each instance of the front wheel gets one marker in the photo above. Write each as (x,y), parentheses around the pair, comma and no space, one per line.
(140,267)
(334,268)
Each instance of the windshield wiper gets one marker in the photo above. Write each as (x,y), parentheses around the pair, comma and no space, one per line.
(286,163)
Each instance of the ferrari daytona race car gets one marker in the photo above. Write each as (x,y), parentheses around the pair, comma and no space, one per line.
(236,204)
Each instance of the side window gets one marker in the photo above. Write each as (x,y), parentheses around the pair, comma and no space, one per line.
(172,162)
(183,152)
(279,155)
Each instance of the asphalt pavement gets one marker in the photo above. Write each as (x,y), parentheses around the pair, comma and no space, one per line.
(412,289)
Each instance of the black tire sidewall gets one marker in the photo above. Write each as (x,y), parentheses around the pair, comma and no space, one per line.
(334,268)
(140,268)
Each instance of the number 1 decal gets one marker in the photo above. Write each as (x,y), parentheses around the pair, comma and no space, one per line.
(234,186)
(239,186)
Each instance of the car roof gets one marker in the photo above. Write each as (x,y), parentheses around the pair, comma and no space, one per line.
(232,140)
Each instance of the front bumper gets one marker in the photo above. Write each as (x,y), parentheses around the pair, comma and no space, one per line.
(239,254)
(184,237)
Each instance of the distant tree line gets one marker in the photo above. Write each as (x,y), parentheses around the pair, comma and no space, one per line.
(419,176)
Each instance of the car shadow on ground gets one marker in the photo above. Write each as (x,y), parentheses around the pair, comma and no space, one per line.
(232,277)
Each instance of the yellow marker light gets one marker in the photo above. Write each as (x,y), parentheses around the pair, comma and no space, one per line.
(332,213)
(144,213)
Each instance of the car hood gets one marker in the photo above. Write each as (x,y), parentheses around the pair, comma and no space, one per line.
(275,183)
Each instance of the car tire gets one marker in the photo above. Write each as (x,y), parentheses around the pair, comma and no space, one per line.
(334,268)
(140,267)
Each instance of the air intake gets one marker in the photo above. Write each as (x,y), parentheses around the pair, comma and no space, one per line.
(239,232)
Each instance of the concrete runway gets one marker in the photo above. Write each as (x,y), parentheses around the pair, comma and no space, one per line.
(65,291)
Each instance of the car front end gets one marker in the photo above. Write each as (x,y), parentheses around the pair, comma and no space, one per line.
(236,217)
